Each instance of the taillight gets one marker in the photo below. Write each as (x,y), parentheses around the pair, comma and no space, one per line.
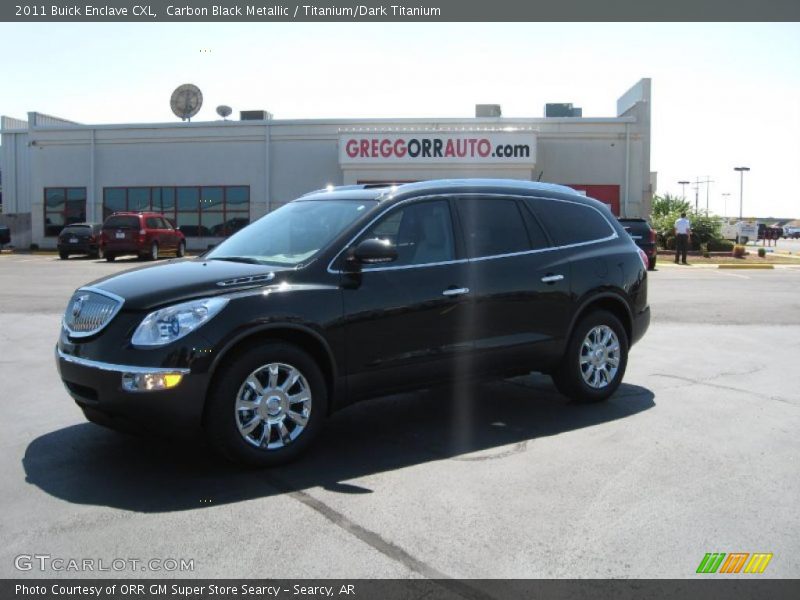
(652,236)
(643,256)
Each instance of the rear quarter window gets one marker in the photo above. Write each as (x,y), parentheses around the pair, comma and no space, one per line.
(569,222)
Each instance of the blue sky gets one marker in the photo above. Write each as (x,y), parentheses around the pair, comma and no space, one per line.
(723,94)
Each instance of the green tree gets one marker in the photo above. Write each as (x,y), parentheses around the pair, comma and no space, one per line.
(667,209)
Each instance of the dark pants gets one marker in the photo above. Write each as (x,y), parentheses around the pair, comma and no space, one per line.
(681,246)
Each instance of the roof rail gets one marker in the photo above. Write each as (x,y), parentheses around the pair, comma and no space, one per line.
(345,188)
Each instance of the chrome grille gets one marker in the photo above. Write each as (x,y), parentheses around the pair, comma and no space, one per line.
(89,310)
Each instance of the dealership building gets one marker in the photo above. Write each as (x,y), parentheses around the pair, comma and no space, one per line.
(212,178)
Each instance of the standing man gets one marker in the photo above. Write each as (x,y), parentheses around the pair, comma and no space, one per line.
(683,233)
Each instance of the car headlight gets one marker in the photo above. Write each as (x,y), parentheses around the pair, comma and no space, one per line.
(168,324)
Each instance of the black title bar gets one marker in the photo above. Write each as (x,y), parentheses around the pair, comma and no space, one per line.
(399,10)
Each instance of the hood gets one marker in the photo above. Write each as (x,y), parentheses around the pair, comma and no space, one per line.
(178,280)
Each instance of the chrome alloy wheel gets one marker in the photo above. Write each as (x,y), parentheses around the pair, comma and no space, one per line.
(273,406)
(600,355)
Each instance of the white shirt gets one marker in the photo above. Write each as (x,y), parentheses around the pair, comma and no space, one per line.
(682,225)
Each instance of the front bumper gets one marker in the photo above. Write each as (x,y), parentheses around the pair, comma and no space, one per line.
(97,387)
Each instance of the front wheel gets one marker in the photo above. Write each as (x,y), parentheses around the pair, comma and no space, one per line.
(154,251)
(266,405)
(594,364)
(63,255)
(181,250)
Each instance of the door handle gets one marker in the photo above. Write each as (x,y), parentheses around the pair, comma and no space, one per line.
(552,278)
(455,291)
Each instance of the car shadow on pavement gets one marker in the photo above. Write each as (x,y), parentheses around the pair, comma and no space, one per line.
(87,464)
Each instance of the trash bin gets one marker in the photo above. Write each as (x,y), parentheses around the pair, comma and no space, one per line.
(5,235)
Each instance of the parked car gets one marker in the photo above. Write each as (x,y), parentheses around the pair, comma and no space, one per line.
(643,236)
(353,293)
(80,238)
(146,234)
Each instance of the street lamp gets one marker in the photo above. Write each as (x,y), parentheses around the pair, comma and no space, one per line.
(725,200)
(741,186)
(684,184)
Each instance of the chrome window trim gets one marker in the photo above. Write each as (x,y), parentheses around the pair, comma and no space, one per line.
(614,234)
(104,366)
(83,334)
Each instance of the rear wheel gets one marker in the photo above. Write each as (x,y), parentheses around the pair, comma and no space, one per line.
(110,257)
(266,405)
(181,250)
(63,255)
(651,264)
(594,364)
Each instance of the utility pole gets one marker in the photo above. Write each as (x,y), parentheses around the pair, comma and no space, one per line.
(698,182)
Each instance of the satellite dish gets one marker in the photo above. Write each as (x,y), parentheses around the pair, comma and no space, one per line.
(224,111)
(186,101)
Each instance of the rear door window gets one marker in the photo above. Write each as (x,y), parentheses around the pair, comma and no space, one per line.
(495,226)
(153,223)
(121,222)
(570,222)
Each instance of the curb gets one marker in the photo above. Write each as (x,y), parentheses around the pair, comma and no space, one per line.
(745,266)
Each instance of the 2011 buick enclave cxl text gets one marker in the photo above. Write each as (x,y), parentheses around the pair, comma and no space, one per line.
(352,292)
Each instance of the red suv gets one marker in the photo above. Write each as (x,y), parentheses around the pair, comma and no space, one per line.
(144,233)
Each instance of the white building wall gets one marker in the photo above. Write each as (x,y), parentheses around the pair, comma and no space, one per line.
(281,160)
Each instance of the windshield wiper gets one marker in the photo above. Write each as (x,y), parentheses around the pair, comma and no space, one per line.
(240,259)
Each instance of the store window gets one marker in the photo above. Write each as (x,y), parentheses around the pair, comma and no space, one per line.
(200,211)
(62,207)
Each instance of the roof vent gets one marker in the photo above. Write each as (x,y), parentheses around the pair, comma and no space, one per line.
(562,109)
(488,110)
(254,115)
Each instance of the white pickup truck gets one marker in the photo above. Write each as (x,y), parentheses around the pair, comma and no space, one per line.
(740,232)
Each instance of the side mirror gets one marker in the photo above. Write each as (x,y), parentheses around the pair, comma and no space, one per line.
(374,251)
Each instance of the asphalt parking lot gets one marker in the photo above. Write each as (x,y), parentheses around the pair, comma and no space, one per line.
(698,452)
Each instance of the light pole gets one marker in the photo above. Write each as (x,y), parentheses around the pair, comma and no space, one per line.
(741,186)
(725,200)
(684,184)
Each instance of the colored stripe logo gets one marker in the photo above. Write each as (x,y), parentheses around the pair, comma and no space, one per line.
(735,562)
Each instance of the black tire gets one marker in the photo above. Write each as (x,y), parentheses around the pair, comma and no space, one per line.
(220,420)
(651,264)
(63,255)
(153,254)
(181,252)
(110,257)
(568,377)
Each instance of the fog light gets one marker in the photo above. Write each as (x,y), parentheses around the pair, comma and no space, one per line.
(149,382)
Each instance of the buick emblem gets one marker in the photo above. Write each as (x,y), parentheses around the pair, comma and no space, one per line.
(77,305)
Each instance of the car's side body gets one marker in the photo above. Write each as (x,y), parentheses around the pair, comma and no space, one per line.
(376,329)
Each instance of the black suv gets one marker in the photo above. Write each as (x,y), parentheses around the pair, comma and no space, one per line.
(354,292)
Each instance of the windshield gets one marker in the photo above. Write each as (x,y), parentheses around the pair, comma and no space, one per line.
(293,233)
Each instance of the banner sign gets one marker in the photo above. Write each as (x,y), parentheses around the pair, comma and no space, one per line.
(463,147)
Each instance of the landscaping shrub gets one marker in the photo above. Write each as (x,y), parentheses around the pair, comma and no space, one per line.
(720,245)
(739,251)
(762,252)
